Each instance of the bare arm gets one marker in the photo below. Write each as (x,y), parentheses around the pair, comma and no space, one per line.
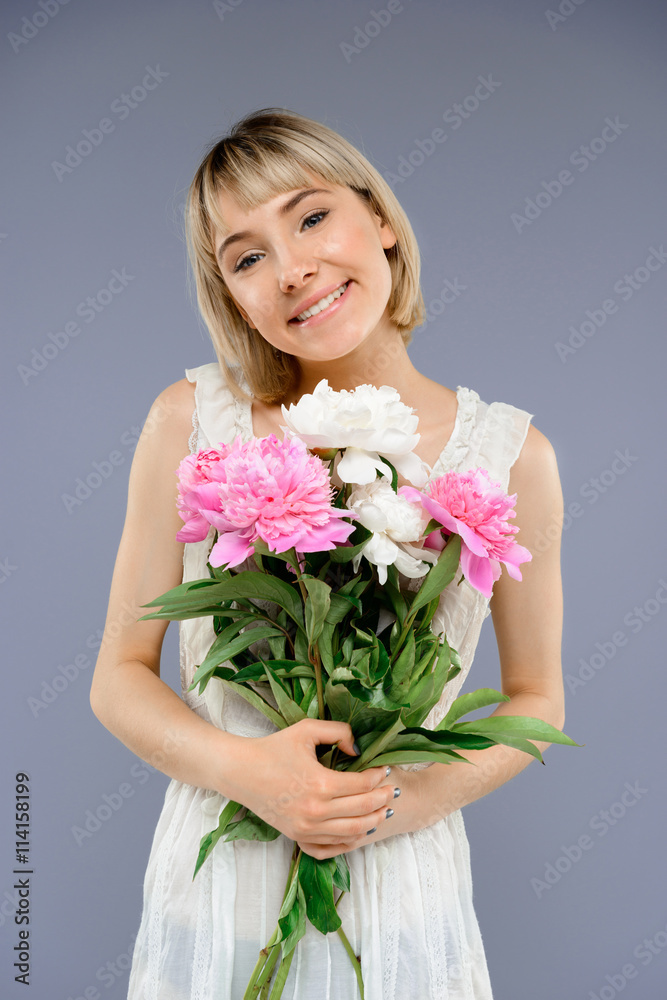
(277,776)
(527,618)
(127,694)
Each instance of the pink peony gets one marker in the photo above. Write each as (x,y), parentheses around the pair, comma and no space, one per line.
(475,507)
(194,472)
(273,490)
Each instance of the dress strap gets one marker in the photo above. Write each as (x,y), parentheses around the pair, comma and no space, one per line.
(219,416)
(497,439)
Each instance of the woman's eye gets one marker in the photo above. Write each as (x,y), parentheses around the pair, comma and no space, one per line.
(241,263)
(313,215)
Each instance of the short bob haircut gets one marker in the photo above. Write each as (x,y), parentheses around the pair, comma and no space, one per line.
(264,155)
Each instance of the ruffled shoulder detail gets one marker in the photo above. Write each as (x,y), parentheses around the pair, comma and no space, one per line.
(458,446)
(220,416)
(498,439)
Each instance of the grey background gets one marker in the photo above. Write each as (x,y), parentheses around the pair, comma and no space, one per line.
(119,208)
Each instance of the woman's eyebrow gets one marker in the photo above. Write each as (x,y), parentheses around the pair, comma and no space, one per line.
(283,210)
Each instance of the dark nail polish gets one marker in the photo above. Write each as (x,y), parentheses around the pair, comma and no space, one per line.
(388,771)
(368,832)
(355,747)
(397,792)
(390,812)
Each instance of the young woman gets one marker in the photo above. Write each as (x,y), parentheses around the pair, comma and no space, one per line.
(306,268)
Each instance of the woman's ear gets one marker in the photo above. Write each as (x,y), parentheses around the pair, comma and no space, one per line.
(387,235)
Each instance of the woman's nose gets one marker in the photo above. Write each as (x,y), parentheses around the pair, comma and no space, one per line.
(295,268)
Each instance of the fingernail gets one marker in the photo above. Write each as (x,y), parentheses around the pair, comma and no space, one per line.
(390,812)
(356,748)
(371,831)
(388,771)
(397,792)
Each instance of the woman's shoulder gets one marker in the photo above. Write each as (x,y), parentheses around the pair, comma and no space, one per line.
(536,460)
(505,437)
(179,399)
(174,404)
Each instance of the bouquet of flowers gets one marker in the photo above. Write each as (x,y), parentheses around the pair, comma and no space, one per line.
(347,640)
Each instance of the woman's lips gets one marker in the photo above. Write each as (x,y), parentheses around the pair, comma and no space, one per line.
(325,313)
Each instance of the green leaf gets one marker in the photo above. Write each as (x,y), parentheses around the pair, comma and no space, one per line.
(215,656)
(366,758)
(398,603)
(394,473)
(209,841)
(189,588)
(179,613)
(442,756)
(431,739)
(428,690)
(440,575)
(522,726)
(295,923)
(325,646)
(341,876)
(470,703)
(288,708)
(316,880)
(340,605)
(401,670)
(433,525)
(346,553)
(520,744)
(363,718)
(317,606)
(354,587)
(309,695)
(430,609)
(251,827)
(288,918)
(257,702)
(220,652)
(250,585)
(290,897)
(278,644)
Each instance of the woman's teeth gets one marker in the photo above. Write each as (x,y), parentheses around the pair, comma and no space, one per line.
(322,304)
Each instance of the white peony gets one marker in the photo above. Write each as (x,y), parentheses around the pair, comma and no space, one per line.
(397,526)
(368,422)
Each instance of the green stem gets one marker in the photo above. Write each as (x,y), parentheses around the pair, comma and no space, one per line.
(407,625)
(270,952)
(253,987)
(356,964)
(314,657)
(264,980)
(313,651)
(281,977)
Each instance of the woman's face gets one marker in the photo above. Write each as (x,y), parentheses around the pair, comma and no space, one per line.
(294,250)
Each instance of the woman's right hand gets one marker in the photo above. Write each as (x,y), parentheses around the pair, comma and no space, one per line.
(281,780)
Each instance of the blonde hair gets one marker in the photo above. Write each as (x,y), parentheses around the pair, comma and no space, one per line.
(265,154)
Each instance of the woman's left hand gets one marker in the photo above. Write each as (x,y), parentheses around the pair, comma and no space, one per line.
(407,817)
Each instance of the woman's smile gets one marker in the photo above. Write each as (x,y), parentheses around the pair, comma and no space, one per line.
(325,307)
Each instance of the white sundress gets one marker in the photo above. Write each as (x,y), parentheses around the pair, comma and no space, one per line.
(410,911)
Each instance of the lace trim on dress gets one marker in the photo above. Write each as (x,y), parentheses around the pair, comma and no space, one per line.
(435,934)
(201,960)
(194,436)
(457,447)
(243,412)
(390,906)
